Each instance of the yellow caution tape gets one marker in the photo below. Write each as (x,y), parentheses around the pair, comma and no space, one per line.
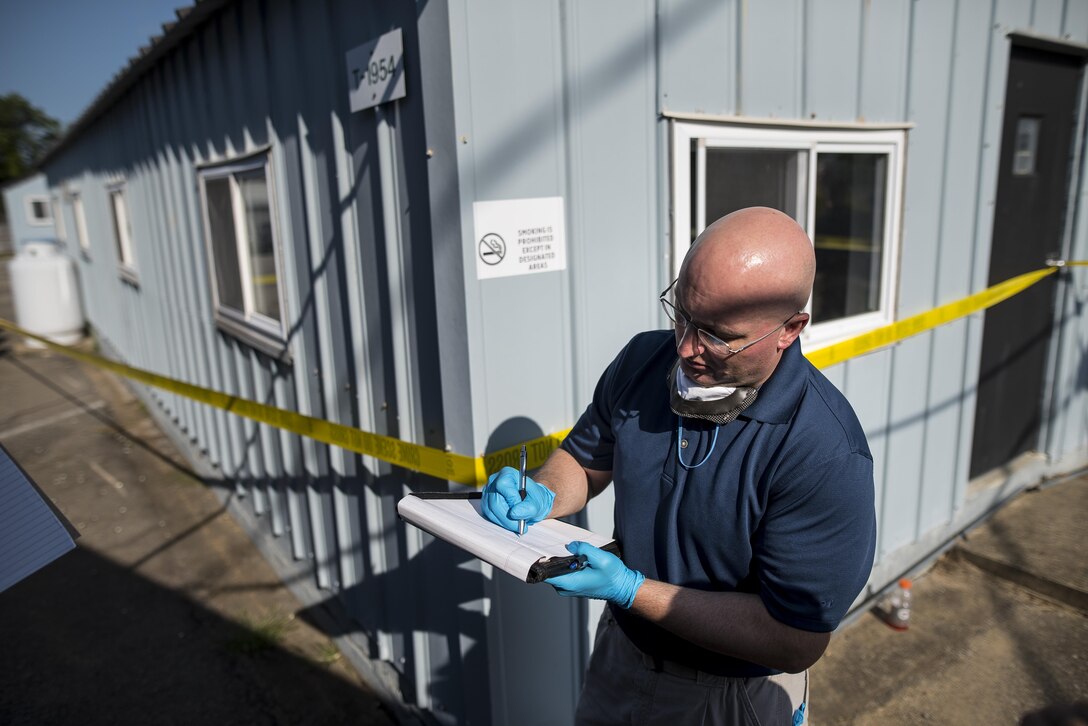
(907,327)
(473,471)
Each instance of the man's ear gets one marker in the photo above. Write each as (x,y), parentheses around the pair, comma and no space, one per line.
(791,330)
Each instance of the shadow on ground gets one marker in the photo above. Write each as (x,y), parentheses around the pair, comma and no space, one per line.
(87,641)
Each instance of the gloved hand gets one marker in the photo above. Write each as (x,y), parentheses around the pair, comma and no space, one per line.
(604,577)
(502,503)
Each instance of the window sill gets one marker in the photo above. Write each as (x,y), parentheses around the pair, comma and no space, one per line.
(129,275)
(260,340)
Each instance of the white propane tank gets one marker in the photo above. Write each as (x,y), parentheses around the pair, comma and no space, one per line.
(46,296)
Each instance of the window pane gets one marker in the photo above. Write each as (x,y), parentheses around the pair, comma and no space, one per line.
(228,281)
(738,178)
(849,234)
(262,258)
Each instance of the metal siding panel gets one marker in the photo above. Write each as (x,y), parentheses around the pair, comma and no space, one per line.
(885,32)
(947,454)
(772,54)
(832,60)
(1075,25)
(182,363)
(515,150)
(866,383)
(697,40)
(614,255)
(208,92)
(928,90)
(903,462)
(193,267)
(286,79)
(1046,17)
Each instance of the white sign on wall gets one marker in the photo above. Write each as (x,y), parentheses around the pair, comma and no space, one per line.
(376,71)
(519,237)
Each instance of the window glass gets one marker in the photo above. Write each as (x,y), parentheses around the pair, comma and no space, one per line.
(224,245)
(739,178)
(262,260)
(39,211)
(848,234)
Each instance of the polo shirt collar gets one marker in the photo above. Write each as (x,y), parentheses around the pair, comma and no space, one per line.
(779,396)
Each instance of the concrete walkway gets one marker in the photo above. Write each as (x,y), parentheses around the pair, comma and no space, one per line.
(999,628)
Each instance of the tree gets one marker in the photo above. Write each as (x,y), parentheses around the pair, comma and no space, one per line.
(26,132)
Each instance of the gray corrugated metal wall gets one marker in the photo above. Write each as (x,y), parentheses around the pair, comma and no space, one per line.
(391,331)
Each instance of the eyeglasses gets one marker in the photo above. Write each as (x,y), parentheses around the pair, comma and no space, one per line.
(708,340)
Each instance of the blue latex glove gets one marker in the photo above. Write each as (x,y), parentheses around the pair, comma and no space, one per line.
(502,504)
(604,577)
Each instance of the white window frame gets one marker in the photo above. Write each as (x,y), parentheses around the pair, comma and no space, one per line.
(33,219)
(122,229)
(58,220)
(812,140)
(255,328)
(80,217)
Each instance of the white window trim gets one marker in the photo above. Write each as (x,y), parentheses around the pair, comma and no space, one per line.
(122,232)
(58,220)
(255,328)
(813,139)
(81,223)
(33,219)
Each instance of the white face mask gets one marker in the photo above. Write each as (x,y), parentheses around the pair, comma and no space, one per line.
(691,391)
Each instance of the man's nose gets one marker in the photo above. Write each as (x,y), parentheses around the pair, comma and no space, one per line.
(688,344)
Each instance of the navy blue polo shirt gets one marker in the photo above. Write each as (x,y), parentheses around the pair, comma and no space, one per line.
(782,506)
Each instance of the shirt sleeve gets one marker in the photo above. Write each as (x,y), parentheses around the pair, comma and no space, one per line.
(591,442)
(814,550)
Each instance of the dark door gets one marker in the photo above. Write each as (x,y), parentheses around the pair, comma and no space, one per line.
(1032,191)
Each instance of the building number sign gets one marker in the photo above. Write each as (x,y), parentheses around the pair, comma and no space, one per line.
(376,71)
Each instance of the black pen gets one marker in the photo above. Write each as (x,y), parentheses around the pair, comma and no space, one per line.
(521,523)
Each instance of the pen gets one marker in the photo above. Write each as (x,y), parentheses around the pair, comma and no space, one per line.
(521,523)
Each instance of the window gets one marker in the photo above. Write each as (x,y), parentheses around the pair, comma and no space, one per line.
(37,211)
(842,186)
(243,251)
(58,218)
(122,232)
(81,223)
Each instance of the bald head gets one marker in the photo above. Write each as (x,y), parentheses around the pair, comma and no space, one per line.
(756,262)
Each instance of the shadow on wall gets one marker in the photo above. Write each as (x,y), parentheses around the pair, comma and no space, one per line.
(436,592)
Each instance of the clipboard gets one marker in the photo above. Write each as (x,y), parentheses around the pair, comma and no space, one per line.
(534,557)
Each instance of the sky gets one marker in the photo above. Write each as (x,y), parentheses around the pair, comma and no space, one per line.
(60,54)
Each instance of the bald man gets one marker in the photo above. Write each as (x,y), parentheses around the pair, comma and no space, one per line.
(744,495)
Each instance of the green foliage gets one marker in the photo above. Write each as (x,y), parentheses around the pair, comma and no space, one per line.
(26,132)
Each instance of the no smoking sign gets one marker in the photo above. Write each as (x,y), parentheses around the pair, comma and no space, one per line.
(519,237)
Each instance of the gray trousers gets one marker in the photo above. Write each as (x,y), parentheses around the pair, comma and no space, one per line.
(625,686)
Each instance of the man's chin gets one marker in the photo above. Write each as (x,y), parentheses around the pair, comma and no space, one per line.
(703,376)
